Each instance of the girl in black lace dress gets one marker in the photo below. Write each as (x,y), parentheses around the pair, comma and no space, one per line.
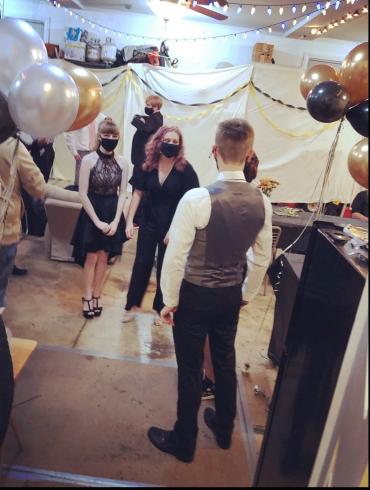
(100,229)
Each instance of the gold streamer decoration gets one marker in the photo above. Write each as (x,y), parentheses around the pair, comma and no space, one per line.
(286,132)
(128,77)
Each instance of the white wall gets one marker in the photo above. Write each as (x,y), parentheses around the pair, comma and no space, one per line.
(193,56)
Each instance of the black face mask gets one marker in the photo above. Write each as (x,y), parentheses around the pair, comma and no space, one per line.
(149,110)
(169,150)
(108,144)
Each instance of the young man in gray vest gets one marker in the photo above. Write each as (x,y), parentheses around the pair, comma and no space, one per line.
(202,285)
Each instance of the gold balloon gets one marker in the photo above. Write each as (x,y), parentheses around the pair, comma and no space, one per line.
(353,75)
(358,162)
(315,75)
(91,95)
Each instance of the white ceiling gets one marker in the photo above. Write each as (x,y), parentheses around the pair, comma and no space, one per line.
(353,30)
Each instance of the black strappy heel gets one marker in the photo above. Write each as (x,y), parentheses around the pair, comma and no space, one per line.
(89,314)
(97,309)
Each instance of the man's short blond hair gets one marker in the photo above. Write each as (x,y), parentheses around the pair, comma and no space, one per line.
(155,101)
(234,137)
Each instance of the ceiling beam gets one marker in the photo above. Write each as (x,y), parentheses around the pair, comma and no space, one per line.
(302,23)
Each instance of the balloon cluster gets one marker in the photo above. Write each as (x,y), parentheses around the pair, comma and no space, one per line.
(37,97)
(331,96)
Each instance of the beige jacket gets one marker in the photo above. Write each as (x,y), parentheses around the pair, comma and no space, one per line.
(28,176)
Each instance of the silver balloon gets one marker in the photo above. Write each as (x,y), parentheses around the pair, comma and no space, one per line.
(21,47)
(43,100)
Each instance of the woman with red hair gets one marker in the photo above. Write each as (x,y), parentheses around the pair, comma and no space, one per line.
(164,178)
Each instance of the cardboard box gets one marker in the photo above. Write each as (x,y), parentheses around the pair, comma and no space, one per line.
(75,50)
(263,52)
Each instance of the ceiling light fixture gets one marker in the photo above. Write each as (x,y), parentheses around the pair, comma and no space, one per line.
(270,29)
(324,12)
(294,9)
(281,10)
(239,9)
(253,10)
(294,21)
(269,10)
(283,25)
(304,8)
(167,10)
(337,4)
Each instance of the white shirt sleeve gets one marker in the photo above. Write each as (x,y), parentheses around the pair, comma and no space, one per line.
(193,212)
(259,256)
(70,142)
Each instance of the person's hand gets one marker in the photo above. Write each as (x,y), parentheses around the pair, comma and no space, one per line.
(166,239)
(104,227)
(113,228)
(167,314)
(130,230)
(77,158)
(142,119)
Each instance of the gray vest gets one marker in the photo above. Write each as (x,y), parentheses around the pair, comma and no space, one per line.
(218,256)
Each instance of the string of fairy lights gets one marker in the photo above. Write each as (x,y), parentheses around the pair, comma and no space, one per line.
(299,11)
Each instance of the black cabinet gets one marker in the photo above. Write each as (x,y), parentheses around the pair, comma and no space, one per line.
(325,306)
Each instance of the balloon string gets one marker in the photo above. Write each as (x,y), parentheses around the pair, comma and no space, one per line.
(328,168)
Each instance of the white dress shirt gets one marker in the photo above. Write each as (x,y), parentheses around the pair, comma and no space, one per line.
(193,213)
(79,140)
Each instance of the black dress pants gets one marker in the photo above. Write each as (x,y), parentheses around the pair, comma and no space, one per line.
(149,238)
(6,382)
(214,312)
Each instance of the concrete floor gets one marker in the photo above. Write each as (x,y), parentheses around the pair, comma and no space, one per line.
(45,305)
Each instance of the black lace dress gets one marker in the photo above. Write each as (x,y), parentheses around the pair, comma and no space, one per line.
(104,183)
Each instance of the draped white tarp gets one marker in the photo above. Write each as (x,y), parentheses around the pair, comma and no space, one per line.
(296,162)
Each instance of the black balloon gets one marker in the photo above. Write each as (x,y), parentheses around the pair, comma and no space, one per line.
(358,116)
(7,126)
(328,102)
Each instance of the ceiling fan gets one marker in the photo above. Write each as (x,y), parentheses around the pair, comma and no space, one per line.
(200,7)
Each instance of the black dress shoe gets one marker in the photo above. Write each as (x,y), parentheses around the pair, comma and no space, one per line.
(17,271)
(209,416)
(164,440)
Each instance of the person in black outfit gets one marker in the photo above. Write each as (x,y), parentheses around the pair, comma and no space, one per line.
(100,229)
(360,206)
(43,154)
(145,126)
(165,177)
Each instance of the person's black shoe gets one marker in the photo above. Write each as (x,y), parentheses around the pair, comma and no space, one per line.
(17,271)
(209,416)
(208,389)
(164,440)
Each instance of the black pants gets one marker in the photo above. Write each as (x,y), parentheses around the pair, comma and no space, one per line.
(6,382)
(148,240)
(214,312)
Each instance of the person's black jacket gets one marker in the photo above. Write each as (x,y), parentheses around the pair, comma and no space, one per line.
(144,131)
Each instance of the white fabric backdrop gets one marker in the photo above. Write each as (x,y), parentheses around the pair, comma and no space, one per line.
(296,162)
